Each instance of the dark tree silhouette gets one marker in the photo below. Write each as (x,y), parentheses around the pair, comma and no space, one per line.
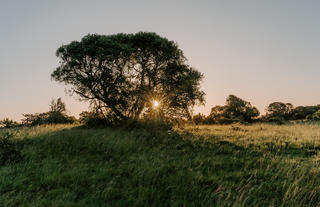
(280,110)
(8,123)
(235,110)
(56,115)
(57,106)
(301,112)
(124,73)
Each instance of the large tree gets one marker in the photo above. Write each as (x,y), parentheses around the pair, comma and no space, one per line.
(123,74)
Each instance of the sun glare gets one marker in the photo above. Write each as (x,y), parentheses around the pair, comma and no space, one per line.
(155,104)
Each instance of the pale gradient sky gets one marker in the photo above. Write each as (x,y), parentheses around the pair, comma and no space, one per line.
(261,51)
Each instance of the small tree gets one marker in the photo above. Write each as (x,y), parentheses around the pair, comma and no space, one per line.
(57,106)
(280,110)
(57,114)
(235,110)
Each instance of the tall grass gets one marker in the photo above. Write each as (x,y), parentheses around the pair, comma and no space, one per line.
(255,165)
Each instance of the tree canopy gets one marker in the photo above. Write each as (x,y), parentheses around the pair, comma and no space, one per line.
(123,74)
(235,110)
(279,109)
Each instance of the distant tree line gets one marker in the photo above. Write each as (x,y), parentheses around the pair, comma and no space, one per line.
(286,111)
(241,111)
(235,110)
(57,114)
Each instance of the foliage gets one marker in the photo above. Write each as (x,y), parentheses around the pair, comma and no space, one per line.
(315,116)
(60,118)
(280,110)
(57,106)
(8,151)
(8,123)
(275,119)
(35,119)
(123,73)
(301,112)
(56,115)
(199,119)
(93,119)
(235,110)
(47,118)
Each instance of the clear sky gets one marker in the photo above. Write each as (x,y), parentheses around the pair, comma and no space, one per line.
(261,51)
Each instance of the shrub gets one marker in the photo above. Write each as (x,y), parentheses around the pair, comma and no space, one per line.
(34,119)
(199,119)
(56,115)
(47,118)
(8,123)
(315,116)
(301,112)
(8,151)
(60,118)
(276,120)
(309,117)
(93,119)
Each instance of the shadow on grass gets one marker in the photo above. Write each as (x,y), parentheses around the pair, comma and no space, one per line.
(137,168)
(101,141)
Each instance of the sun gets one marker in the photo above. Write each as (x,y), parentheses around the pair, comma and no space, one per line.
(155,104)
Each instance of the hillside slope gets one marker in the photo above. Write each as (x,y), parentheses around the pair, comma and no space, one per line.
(259,165)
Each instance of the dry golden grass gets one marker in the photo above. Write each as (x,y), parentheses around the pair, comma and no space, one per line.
(244,135)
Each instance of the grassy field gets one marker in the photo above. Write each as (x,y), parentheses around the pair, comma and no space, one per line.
(256,165)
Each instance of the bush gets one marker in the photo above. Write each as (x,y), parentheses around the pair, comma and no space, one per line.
(315,116)
(56,115)
(47,118)
(93,119)
(309,117)
(60,118)
(301,112)
(199,119)
(8,123)
(276,120)
(8,151)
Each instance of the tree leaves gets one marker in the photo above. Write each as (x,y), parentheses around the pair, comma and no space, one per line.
(123,72)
